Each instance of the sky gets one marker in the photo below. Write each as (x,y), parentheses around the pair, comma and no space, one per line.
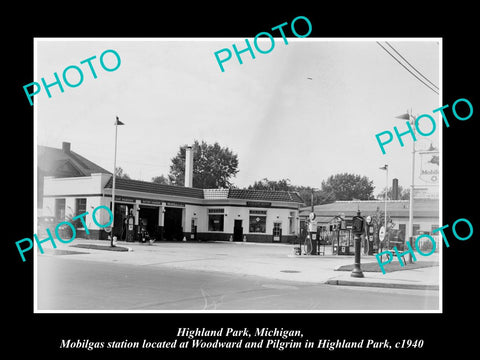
(281,124)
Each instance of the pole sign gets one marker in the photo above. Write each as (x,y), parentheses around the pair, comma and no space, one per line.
(312,224)
(381,233)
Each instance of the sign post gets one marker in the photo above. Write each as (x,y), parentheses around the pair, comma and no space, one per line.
(381,233)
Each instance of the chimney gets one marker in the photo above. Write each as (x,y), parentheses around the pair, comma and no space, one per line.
(395,194)
(66,147)
(188,167)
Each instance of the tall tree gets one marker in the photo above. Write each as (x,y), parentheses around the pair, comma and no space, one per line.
(213,166)
(349,187)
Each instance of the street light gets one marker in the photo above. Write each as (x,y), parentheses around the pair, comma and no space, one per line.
(117,122)
(411,118)
(385,167)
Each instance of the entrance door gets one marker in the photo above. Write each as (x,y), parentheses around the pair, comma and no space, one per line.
(237,230)
(121,212)
(148,220)
(193,229)
(277,231)
(173,224)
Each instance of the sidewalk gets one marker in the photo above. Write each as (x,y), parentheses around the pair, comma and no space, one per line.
(275,261)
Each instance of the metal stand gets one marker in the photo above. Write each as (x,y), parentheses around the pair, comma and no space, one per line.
(357,271)
(357,229)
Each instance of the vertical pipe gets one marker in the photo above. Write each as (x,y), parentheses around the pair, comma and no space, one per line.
(188,167)
(410,210)
(386,198)
(113,184)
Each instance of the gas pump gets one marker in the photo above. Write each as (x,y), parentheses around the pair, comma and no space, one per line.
(312,230)
(130,221)
(193,233)
(369,250)
(144,236)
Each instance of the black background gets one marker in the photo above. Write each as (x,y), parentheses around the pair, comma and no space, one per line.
(41,333)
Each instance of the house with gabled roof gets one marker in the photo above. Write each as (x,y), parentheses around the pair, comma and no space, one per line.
(62,163)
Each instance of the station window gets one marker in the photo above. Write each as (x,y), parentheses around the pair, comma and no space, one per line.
(60,210)
(402,233)
(215,219)
(416,229)
(81,205)
(258,221)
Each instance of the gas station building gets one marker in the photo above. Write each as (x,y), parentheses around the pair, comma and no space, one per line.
(171,212)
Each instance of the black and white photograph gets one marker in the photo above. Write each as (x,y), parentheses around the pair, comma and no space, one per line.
(274,185)
(238,189)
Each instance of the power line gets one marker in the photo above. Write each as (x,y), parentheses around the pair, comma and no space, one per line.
(413,67)
(435,91)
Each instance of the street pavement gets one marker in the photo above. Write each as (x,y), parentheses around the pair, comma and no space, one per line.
(181,265)
(276,261)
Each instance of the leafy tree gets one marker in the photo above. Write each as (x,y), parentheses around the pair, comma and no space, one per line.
(161,180)
(265,184)
(319,196)
(119,174)
(349,187)
(213,166)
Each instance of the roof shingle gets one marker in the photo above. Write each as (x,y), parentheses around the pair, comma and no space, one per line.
(154,188)
(265,195)
(208,194)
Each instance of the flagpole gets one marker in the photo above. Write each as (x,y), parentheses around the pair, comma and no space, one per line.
(113,185)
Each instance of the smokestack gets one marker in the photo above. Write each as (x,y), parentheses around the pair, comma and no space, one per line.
(188,167)
(66,147)
(395,194)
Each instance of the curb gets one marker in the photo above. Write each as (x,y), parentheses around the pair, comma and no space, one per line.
(382,284)
(103,247)
(248,243)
